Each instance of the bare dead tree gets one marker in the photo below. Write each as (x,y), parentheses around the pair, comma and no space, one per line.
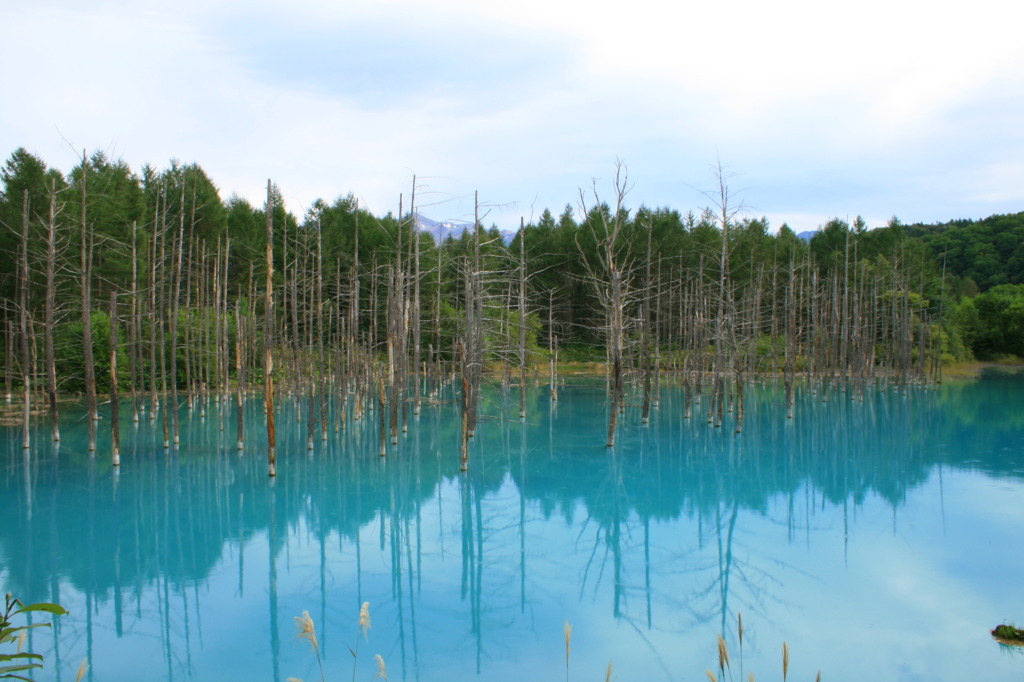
(609,277)
(115,425)
(85,274)
(49,312)
(415,312)
(240,363)
(26,374)
(648,364)
(133,326)
(268,338)
(522,320)
(177,247)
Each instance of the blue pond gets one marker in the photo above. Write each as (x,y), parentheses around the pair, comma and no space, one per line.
(880,538)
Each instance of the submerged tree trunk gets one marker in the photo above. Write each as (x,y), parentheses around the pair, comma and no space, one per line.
(522,320)
(552,350)
(154,311)
(417,350)
(646,350)
(85,272)
(268,322)
(115,428)
(48,314)
(23,324)
(240,376)
(133,326)
(176,249)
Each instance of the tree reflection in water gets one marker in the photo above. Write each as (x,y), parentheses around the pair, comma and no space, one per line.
(651,547)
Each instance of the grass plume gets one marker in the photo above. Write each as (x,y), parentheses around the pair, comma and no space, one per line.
(382,671)
(723,658)
(364,628)
(567,630)
(82,667)
(364,619)
(305,629)
(739,629)
(785,661)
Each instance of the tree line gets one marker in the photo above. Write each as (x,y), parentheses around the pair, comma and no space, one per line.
(152,282)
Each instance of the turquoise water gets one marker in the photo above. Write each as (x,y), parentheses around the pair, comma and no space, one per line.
(880,539)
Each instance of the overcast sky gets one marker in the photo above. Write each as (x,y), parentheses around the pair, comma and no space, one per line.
(818,109)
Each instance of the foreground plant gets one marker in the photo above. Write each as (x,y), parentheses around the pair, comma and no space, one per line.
(305,629)
(1009,634)
(724,665)
(21,661)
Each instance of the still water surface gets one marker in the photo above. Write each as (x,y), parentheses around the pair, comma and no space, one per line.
(881,539)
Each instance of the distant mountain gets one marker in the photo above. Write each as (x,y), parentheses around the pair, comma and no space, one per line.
(441,230)
(806,235)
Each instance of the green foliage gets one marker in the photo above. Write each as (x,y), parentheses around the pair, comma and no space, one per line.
(993,322)
(124,207)
(989,252)
(1009,633)
(13,664)
(70,365)
(22,172)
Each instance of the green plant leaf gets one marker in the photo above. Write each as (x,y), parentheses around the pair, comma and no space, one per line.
(16,668)
(55,609)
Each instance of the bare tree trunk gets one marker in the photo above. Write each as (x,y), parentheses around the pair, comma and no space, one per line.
(646,350)
(115,427)
(354,322)
(48,315)
(552,350)
(522,320)
(176,249)
(393,345)
(382,415)
(86,293)
(311,358)
(133,326)
(439,381)
(464,412)
(466,356)
(23,324)
(613,298)
(219,386)
(154,403)
(268,322)
(615,325)
(320,331)
(163,286)
(225,316)
(240,360)
(657,342)
(724,320)
(191,343)
(9,358)
(293,309)
(789,366)
(478,337)
(416,336)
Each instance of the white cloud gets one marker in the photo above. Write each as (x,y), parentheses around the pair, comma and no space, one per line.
(823,108)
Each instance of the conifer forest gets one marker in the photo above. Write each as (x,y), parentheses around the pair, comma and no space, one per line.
(137,290)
